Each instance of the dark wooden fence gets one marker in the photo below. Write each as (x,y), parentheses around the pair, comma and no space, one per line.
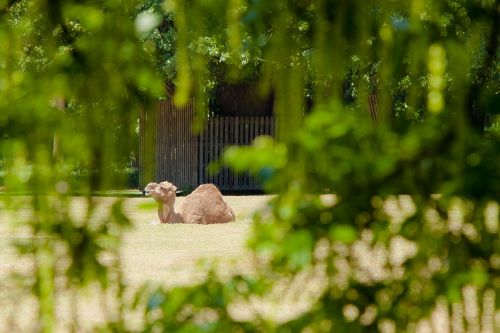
(221,132)
(169,150)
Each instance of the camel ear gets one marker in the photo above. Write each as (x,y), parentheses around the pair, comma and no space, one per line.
(174,188)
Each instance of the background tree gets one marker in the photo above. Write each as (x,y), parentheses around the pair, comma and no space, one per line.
(378,271)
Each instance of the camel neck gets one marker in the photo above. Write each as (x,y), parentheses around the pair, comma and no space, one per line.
(171,217)
(174,217)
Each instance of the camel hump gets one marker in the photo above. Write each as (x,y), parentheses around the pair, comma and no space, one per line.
(206,187)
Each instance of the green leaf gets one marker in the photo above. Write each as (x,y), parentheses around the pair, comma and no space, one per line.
(297,247)
(343,232)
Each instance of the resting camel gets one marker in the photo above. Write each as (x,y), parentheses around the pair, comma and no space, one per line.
(203,206)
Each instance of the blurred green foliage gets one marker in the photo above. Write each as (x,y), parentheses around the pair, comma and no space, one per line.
(434,157)
(72,75)
(413,221)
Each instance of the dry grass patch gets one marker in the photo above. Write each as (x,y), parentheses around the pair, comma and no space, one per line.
(157,253)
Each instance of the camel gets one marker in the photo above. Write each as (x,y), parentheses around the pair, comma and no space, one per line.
(204,205)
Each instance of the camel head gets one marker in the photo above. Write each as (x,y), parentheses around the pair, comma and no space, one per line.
(163,192)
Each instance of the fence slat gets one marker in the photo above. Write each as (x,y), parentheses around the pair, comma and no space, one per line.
(218,137)
(210,155)
(235,142)
(226,133)
(255,125)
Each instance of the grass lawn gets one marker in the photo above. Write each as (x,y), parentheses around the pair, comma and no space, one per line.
(151,252)
(166,255)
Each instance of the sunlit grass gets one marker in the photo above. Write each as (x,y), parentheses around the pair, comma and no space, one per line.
(169,255)
(180,255)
